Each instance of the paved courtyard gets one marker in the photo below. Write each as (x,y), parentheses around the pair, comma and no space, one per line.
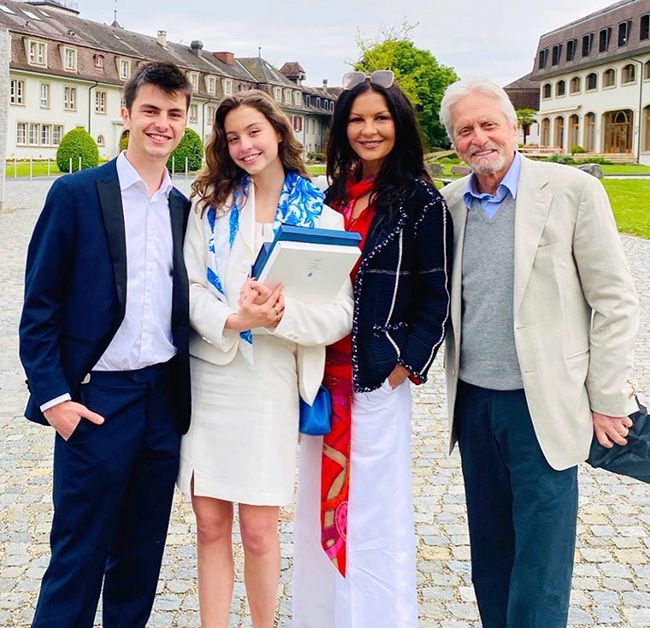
(611,586)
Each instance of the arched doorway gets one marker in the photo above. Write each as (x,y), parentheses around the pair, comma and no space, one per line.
(574,128)
(558,136)
(618,131)
(546,132)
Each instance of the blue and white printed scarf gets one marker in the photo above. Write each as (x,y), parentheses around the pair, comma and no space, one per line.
(300,205)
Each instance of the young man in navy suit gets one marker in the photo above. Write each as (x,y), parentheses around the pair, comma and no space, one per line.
(104,342)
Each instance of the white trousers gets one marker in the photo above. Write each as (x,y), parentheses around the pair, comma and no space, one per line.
(379,588)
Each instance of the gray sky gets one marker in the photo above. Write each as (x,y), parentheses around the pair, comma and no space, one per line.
(496,38)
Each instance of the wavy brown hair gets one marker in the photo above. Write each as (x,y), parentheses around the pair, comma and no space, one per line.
(221,175)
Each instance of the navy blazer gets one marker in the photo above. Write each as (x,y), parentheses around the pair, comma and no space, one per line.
(75,288)
(401,291)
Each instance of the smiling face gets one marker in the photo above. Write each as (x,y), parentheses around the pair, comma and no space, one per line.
(483,136)
(156,123)
(371,131)
(252,140)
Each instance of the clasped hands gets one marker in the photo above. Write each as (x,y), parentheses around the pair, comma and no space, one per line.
(259,306)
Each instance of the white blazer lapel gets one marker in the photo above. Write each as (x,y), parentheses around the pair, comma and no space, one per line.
(531,211)
(458,212)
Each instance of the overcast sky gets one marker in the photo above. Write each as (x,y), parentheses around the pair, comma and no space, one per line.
(496,38)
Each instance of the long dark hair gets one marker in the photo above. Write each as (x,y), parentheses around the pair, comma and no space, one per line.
(394,182)
(220,175)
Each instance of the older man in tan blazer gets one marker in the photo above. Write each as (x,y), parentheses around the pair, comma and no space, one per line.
(538,357)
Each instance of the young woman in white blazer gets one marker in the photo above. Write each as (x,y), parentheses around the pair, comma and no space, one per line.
(254,353)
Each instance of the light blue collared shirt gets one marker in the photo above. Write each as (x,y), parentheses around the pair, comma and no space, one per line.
(490,203)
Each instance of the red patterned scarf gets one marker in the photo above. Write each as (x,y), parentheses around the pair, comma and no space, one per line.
(335,462)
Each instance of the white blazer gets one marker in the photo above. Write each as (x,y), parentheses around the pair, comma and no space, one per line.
(575,308)
(310,326)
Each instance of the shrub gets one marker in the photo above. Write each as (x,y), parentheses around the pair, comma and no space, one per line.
(594,160)
(561,159)
(577,149)
(124,141)
(190,147)
(74,144)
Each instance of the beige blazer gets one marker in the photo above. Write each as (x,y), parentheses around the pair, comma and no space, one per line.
(311,326)
(575,307)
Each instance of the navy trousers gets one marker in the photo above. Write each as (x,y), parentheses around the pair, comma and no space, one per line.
(521,513)
(113,488)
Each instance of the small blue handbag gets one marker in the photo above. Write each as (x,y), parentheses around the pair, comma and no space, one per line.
(315,419)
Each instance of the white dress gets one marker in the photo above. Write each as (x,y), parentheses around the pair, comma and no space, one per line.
(243,436)
(379,590)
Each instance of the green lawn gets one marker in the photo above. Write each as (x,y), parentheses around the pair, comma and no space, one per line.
(315,169)
(21,169)
(630,199)
(625,169)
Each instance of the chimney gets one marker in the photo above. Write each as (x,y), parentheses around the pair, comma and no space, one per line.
(324,83)
(196,46)
(225,57)
(162,38)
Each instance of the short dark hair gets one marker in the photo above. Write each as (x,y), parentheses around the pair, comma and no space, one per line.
(166,76)
(399,168)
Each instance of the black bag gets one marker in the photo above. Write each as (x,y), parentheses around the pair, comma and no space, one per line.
(634,458)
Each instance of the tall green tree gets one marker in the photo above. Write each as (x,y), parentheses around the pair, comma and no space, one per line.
(417,72)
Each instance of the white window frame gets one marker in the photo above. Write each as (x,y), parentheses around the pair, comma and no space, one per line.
(44,92)
(17,92)
(21,134)
(69,55)
(38,134)
(101,99)
(101,140)
(211,85)
(193,113)
(193,78)
(123,68)
(297,98)
(69,98)
(37,52)
(277,94)
(99,61)
(227,87)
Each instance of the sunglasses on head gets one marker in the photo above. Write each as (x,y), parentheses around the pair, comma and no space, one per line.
(383,78)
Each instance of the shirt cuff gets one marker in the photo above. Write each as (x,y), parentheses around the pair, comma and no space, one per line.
(57,400)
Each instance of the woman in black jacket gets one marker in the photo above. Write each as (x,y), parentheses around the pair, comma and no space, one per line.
(354,563)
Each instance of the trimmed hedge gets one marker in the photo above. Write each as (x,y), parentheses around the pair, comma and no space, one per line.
(190,147)
(74,144)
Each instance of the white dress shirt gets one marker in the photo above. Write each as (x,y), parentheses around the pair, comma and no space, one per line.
(144,337)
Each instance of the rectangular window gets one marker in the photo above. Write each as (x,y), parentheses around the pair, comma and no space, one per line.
(100,102)
(209,112)
(556,54)
(277,94)
(70,98)
(587,43)
(33,133)
(17,92)
(623,33)
(69,59)
(542,58)
(603,39)
(211,85)
(46,134)
(21,133)
(45,95)
(644,27)
(37,52)
(194,113)
(124,68)
(227,87)
(99,61)
(571,49)
(57,134)
(194,81)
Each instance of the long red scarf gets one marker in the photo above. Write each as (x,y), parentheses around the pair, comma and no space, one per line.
(335,461)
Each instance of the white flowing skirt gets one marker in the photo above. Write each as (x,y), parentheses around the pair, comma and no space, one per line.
(379,589)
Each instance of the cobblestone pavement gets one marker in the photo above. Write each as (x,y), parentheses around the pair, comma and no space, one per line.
(611,586)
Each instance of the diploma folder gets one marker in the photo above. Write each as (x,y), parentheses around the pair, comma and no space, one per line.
(311,264)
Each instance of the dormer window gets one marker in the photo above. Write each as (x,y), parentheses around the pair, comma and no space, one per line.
(211,85)
(36,52)
(193,78)
(124,68)
(277,94)
(69,59)
(99,61)
(227,87)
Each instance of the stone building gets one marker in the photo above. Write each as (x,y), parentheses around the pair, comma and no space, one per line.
(66,72)
(594,82)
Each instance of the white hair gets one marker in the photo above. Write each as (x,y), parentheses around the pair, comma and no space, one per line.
(464,87)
